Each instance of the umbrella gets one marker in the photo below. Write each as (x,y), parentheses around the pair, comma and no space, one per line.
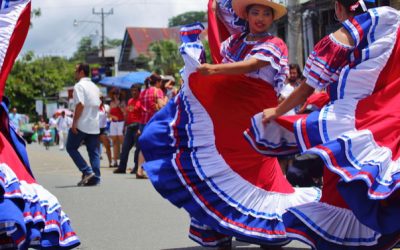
(111,81)
(126,81)
(67,111)
(136,77)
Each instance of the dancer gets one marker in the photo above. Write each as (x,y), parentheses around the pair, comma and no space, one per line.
(196,154)
(356,134)
(30,217)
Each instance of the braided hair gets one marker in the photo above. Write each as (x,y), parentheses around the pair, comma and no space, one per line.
(357,6)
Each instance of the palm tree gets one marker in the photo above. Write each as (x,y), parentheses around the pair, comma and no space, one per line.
(166,58)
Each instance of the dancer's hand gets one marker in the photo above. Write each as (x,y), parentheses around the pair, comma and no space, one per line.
(214,6)
(269,115)
(206,69)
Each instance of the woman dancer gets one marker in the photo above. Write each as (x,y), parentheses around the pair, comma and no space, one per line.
(196,154)
(30,217)
(356,134)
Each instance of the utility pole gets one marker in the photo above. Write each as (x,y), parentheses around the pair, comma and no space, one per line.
(294,31)
(102,14)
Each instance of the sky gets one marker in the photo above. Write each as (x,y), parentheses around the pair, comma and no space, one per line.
(53,33)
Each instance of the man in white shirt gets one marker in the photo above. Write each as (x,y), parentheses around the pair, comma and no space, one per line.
(63,124)
(85,126)
(15,119)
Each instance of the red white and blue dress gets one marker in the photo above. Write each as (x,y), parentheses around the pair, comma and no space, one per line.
(198,158)
(30,217)
(357,134)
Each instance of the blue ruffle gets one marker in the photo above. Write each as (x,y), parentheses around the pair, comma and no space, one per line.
(31,223)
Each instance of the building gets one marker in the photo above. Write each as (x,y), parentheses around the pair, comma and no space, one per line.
(137,40)
(310,21)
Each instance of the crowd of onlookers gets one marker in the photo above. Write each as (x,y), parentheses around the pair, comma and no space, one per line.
(122,116)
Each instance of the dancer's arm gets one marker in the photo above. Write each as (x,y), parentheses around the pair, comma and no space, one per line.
(235,68)
(298,96)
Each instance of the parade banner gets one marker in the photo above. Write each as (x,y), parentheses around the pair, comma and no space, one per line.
(14,26)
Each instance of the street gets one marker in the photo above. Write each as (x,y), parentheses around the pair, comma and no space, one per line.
(121,213)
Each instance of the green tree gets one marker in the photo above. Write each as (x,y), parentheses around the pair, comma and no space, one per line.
(142,62)
(85,48)
(34,78)
(165,56)
(112,43)
(35,13)
(206,45)
(187,18)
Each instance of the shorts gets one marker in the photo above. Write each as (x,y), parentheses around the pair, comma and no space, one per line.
(104,131)
(117,128)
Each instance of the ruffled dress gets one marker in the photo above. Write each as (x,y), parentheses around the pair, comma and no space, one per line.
(30,217)
(197,157)
(357,134)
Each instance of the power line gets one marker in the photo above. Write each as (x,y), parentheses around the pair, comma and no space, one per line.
(102,14)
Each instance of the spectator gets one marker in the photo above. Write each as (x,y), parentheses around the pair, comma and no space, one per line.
(104,111)
(15,119)
(117,106)
(292,82)
(168,86)
(63,124)
(152,99)
(40,128)
(53,128)
(47,137)
(133,112)
(85,126)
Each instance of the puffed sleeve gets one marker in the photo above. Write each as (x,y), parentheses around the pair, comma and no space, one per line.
(275,52)
(225,45)
(325,63)
(227,16)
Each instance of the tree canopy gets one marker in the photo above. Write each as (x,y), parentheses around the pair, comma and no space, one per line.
(165,57)
(37,77)
(187,18)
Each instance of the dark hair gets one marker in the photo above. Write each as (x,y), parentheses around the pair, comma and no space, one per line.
(352,7)
(153,79)
(146,83)
(135,86)
(83,67)
(296,67)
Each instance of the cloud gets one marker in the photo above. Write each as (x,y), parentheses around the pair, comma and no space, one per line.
(54,34)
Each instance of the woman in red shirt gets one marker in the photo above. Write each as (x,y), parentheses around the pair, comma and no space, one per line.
(117,115)
(133,112)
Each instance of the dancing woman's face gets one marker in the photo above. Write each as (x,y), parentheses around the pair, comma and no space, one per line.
(260,18)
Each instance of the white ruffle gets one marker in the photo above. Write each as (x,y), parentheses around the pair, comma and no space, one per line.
(227,184)
(31,192)
(336,225)
(271,135)
(8,20)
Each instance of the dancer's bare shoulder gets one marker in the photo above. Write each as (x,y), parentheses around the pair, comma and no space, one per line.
(344,37)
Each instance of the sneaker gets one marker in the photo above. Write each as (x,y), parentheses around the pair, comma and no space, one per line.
(85,179)
(119,171)
(92,182)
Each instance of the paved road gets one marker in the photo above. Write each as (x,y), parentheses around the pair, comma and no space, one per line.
(121,213)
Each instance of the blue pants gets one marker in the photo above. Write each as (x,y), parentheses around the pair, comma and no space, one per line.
(130,139)
(92,147)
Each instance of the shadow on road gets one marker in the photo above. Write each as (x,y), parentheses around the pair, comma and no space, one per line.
(69,186)
(235,244)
